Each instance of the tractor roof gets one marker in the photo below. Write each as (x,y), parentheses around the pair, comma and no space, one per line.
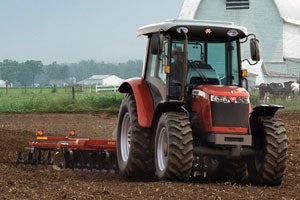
(195,28)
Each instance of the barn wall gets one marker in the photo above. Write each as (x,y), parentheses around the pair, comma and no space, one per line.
(270,79)
(291,42)
(294,67)
(262,18)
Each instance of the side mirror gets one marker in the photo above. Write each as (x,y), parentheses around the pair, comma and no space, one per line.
(254,49)
(155,44)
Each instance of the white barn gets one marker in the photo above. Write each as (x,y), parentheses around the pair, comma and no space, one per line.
(106,80)
(276,24)
(112,80)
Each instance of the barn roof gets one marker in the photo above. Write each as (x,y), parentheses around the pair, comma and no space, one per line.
(289,10)
(98,77)
(94,79)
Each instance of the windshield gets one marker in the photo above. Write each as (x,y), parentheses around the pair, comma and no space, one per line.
(209,63)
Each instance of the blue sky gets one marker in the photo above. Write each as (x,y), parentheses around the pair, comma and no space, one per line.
(69,31)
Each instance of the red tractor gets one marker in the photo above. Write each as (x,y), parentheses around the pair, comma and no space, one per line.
(188,115)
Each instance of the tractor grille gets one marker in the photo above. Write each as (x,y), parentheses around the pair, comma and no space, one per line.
(230,114)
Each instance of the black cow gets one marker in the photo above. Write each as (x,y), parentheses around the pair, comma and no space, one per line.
(263,89)
(275,90)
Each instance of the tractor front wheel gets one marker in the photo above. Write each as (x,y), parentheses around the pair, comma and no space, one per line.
(268,166)
(173,147)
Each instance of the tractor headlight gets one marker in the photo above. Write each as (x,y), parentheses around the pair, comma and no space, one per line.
(219,99)
(244,100)
(225,99)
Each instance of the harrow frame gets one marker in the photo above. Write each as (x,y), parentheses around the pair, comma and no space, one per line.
(70,152)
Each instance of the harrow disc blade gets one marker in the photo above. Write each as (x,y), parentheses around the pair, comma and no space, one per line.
(59,161)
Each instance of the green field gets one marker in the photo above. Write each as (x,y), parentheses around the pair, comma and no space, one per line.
(289,104)
(84,99)
(58,100)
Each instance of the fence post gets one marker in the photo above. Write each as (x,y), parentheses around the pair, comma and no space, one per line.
(73,94)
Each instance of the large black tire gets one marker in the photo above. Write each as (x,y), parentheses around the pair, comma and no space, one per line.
(173,147)
(232,170)
(268,167)
(135,149)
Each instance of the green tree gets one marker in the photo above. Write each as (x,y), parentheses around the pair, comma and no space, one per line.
(28,71)
(55,71)
(8,70)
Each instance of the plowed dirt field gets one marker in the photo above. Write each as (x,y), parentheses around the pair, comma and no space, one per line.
(40,183)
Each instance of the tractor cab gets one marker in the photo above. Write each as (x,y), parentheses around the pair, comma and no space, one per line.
(183,54)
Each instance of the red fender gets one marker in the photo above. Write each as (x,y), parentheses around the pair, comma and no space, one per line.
(143,99)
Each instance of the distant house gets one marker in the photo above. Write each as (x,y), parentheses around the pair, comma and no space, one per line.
(2,83)
(276,23)
(109,80)
(57,82)
(5,83)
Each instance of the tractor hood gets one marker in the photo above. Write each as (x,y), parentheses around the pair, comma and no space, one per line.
(222,90)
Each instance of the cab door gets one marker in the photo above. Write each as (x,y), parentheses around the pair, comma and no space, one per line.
(156,62)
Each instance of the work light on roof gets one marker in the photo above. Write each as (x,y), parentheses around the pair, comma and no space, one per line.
(182,29)
(232,33)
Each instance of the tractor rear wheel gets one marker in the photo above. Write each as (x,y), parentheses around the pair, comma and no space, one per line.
(134,146)
(173,147)
(268,166)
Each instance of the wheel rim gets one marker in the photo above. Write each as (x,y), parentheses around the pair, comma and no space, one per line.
(162,150)
(125,137)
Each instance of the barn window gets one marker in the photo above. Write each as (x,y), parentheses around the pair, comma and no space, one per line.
(237,4)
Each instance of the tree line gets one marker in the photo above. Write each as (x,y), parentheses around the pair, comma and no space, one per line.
(34,72)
